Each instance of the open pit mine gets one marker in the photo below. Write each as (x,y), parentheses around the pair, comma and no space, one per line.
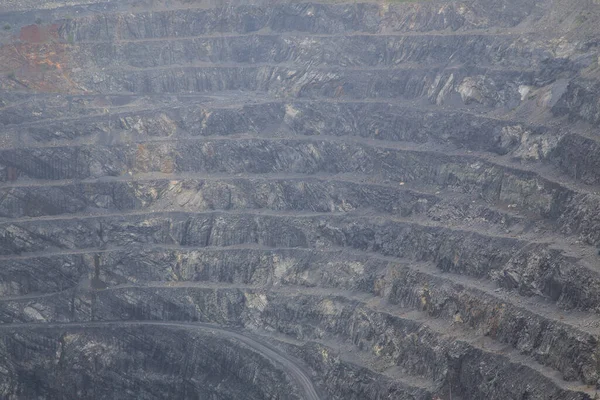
(329,200)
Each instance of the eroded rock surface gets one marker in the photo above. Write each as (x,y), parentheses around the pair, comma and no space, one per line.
(282,200)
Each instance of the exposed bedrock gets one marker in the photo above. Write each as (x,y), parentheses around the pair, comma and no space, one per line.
(281,200)
(106,362)
(573,208)
(421,343)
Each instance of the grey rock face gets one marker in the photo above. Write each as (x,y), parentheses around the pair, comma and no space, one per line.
(281,200)
(151,355)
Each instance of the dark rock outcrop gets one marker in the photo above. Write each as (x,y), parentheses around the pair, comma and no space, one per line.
(280,200)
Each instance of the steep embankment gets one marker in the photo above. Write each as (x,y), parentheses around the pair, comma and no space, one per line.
(399,200)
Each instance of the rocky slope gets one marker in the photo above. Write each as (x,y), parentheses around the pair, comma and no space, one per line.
(281,200)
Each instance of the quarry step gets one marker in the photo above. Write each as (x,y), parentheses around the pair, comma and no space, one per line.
(366,200)
(487,345)
(360,358)
(408,84)
(145,106)
(580,324)
(398,68)
(552,186)
(454,331)
(260,34)
(319,17)
(285,361)
(328,193)
(542,172)
(445,330)
(525,238)
(305,230)
(410,199)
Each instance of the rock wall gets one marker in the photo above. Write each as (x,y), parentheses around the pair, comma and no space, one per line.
(336,200)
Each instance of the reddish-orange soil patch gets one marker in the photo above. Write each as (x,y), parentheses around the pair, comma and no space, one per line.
(38,33)
(36,60)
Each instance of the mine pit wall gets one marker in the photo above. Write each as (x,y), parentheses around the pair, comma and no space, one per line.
(312,316)
(400,340)
(144,362)
(328,209)
(381,121)
(107,362)
(496,183)
(313,18)
(469,253)
(316,19)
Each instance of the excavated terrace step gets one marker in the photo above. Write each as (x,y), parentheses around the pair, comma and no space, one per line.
(450,300)
(304,17)
(373,155)
(342,51)
(419,280)
(442,331)
(302,82)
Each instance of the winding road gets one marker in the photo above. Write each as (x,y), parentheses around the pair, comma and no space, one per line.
(291,367)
